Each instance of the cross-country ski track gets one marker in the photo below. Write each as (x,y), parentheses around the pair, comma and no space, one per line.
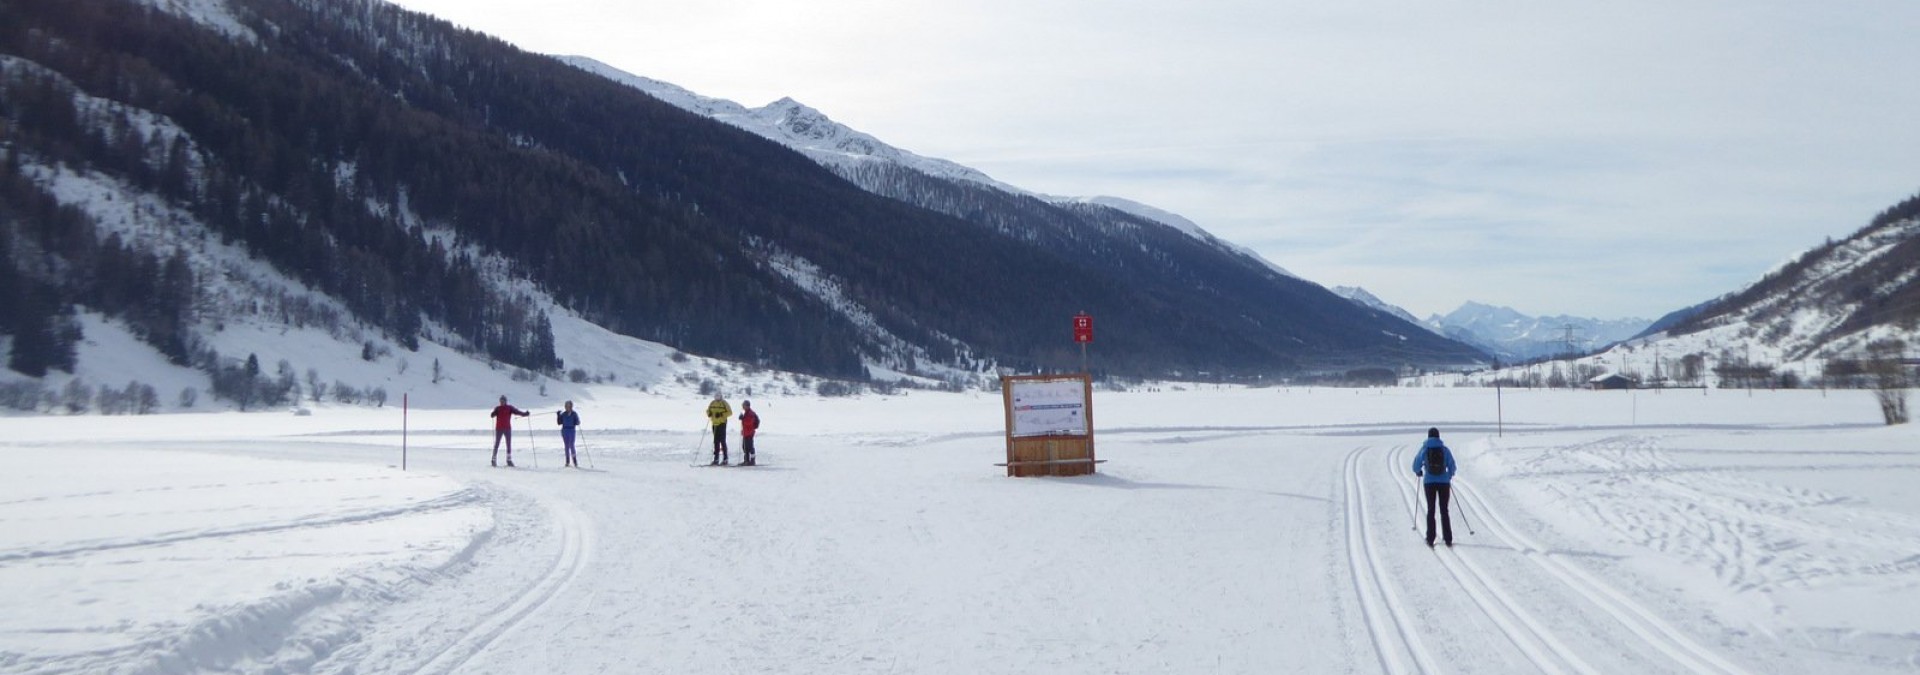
(1438,642)
(575,534)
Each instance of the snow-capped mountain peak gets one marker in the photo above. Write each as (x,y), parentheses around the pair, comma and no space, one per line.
(835,145)
(1365,298)
(790,123)
(1477,315)
(1514,335)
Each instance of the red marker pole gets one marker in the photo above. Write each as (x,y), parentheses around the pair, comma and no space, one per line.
(1083,334)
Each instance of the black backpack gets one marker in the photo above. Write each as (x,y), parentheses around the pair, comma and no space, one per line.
(1437,460)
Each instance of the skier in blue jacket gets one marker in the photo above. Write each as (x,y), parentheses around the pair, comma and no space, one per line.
(1435,462)
(568,421)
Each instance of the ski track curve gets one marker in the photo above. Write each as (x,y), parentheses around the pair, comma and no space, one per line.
(1658,633)
(576,539)
(1390,627)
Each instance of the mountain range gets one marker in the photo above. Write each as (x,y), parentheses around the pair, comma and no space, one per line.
(1834,316)
(1508,334)
(1515,336)
(183,166)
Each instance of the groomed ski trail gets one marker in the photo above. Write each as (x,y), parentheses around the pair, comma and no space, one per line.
(576,536)
(1527,633)
(1395,637)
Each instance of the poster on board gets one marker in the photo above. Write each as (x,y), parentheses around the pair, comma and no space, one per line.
(1049,408)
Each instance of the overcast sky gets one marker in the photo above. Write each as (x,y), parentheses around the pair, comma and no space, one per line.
(1607,159)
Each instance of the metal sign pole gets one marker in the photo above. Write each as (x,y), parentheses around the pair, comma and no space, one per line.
(1083,334)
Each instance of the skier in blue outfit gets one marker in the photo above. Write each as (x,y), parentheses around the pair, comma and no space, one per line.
(568,420)
(1435,462)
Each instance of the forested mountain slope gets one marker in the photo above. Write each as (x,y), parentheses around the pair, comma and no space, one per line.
(383,158)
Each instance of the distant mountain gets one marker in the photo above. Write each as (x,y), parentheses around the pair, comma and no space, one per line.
(1505,332)
(1514,336)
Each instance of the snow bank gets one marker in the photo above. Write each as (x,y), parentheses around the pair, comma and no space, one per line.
(144,560)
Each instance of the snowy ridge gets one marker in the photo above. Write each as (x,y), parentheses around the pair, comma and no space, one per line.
(1176,221)
(837,146)
(1811,305)
(792,124)
(1368,299)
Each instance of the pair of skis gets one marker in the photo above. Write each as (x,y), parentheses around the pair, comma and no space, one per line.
(705,443)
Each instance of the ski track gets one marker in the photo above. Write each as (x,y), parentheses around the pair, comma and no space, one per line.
(1395,633)
(460,499)
(303,623)
(1655,632)
(1540,645)
(1379,599)
(177,489)
(576,539)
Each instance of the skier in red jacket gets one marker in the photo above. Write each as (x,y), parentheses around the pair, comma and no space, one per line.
(749,423)
(503,428)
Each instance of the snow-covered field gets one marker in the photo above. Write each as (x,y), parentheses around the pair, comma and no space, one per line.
(1231,531)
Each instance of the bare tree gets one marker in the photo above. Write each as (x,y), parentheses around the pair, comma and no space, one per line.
(76,396)
(316,387)
(1886,363)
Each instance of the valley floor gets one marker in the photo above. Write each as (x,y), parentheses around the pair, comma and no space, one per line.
(1231,530)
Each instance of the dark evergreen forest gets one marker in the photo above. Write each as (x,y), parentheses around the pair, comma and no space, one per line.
(311,147)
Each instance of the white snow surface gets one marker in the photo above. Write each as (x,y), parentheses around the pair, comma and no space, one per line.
(1231,530)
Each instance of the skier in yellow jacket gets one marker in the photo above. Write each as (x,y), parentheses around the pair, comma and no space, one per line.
(717,412)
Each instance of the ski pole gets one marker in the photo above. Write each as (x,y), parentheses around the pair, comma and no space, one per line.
(1463,516)
(694,460)
(530,449)
(1413,514)
(583,448)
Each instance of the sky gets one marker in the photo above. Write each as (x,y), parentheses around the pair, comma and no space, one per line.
(1618,159)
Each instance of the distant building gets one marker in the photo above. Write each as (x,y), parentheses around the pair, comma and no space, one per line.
(1612,381)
